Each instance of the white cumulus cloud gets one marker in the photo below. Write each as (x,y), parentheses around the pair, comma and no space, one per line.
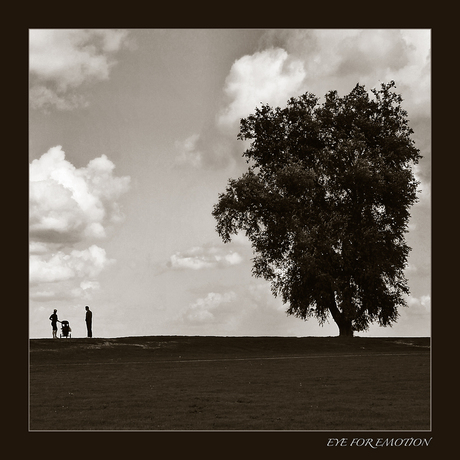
(69,204)
(270,76)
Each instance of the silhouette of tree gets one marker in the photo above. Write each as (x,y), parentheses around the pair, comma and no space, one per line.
(325,204)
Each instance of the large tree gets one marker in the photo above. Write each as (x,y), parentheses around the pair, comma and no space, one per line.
(325,204)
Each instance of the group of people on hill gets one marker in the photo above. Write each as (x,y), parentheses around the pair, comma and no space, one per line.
(88,320)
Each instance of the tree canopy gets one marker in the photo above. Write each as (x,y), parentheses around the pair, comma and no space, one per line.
(325,204)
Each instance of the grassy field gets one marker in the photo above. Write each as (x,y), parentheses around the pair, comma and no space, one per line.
(230,383)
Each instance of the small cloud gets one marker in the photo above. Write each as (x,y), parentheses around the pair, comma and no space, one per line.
(420,304)
(233,258)
(411,268)
(425,301)
(85,289)
(205,310)
(211,148)
(189,155)
(62,266)
(261,296)
(43,296)
(44,98)
(180,261)
(63,291)
(424,186)
(85,285)
(198,258)
(36,248)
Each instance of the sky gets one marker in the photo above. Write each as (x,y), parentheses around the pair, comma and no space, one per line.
(132,136)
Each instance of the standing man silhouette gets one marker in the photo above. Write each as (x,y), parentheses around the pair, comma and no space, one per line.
(54,321)
(89,320)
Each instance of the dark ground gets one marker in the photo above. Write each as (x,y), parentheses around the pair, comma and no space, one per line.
(230,383)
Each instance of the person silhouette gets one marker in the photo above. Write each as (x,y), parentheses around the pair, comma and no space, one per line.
(54,321)
(89,321)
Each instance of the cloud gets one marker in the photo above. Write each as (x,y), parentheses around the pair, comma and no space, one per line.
(63,60)
(43,296)
(85,289)
(62,266)
(213,147)
(415,320)
(420,305)
(41,96)
(69,204)
(86,285)
(239,309)
(340,58)
(206,310)
(422,175)
(198,258)
(36,247)
(261,296)
(269,76)
(62,291)
(188,153)
(293,61)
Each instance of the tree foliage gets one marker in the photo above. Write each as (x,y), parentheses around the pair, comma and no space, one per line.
(325,204)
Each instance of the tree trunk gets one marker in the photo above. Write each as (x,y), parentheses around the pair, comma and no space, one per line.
(345,327)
